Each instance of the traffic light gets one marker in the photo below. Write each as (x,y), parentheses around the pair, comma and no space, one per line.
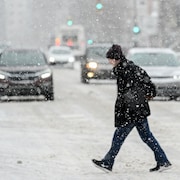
(99,6)
(90,41)
(136,29)
(69,22)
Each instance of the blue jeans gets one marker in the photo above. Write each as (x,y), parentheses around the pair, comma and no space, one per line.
(120,135)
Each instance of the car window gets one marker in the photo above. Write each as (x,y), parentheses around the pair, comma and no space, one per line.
(22,58)
(154,59)
(97,52)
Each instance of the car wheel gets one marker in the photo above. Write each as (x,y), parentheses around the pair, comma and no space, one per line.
(72,66)
(84,80)
(49,96)
(173,97)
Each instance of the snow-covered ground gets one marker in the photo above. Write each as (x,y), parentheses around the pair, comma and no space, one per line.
(57,140)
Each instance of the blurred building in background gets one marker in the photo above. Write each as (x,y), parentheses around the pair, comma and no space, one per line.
(146,19)
(2,21)
(130,23)
(169,28)
(17,22)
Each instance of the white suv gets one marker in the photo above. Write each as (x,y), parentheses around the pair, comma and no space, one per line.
(61,55)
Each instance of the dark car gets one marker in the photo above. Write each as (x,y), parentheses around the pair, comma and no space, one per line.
(25,72)
(95,64)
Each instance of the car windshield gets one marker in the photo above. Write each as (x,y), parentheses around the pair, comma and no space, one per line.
(98,53)
(22,58)
(154,59)
(60,51)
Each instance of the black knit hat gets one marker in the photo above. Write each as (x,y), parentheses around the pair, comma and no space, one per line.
(115,52)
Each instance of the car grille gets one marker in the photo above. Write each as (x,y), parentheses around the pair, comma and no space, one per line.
(22,76)
(62,62)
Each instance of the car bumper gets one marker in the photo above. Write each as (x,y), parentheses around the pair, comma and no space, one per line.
(63,61)
(168,88)
(12,88)
(168,91)
(99,74)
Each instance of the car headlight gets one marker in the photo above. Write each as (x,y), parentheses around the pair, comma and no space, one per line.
(71,59)
(51,59)
(176,76)
(2,76)
(45,75)
(92,65)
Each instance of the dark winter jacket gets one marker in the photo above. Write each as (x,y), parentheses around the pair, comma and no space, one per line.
(128,77)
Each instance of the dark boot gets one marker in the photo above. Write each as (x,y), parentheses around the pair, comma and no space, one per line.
(161,167)
(102,164)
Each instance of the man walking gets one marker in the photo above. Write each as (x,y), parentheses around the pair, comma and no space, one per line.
(131,78)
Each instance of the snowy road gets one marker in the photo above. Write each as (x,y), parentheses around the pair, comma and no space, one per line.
(56,140)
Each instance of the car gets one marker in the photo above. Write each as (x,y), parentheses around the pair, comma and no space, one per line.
(178,55)
(163,67)
(25,72)
(95,64)
(61,55)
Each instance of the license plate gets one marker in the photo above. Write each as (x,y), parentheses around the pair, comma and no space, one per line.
(22,82)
